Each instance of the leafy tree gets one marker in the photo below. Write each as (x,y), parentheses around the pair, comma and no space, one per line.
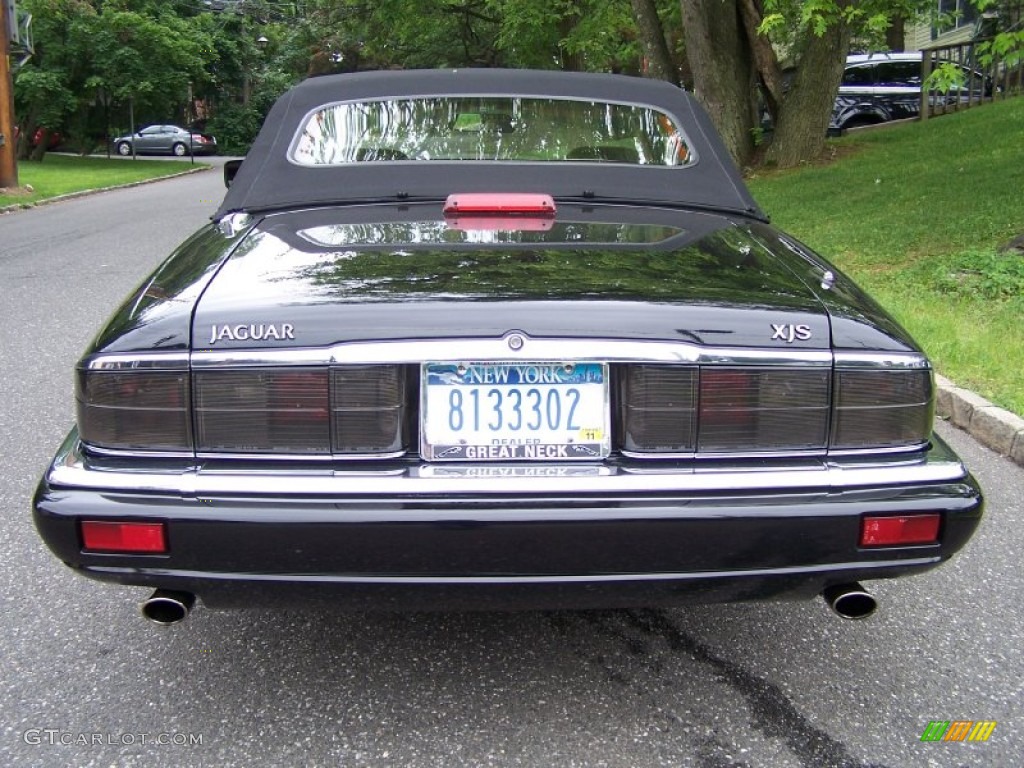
(1007,44)
(51,87)
(734,48)
(148,57)
(341,35)
(141,52)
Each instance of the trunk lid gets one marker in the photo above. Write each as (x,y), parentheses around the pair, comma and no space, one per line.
(319,278)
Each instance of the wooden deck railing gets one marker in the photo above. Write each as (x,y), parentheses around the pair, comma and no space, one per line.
(995,80)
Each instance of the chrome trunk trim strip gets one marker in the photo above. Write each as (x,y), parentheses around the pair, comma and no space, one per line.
(486,350)
(73,469)
(499,350)
(150,361)
(888,360)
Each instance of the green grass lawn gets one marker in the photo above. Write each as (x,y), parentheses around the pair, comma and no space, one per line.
(915,213)
(61,174)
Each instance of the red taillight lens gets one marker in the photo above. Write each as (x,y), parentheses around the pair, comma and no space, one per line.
(758,410)
(263,411)
(297,399)
(888,531)
(726,416)
(105,536)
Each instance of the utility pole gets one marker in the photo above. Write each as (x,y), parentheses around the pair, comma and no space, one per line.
(8,146)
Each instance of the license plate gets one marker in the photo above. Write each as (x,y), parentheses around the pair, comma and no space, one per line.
(508,411)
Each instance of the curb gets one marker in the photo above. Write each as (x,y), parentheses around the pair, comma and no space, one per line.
(990,425)
(87,192)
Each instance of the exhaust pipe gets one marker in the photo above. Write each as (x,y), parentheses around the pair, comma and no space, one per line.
(851,601)
(166,607)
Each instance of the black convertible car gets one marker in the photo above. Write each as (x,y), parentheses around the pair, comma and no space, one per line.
(499,339)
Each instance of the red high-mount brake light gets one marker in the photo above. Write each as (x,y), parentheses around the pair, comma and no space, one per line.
(106,536)
(500,212)
(895,531)
(504,203)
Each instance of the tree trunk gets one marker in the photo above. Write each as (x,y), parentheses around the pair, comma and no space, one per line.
(895,34)
(723,71)
(27,129)
(39,150)
(652,37)
(765,59)
(805,113)
(571,62)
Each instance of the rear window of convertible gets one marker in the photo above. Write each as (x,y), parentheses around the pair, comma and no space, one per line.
(503,129)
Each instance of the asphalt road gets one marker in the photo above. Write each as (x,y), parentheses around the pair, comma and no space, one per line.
(739,685)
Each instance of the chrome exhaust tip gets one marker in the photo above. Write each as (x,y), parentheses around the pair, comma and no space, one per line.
(166,607)
(850,601)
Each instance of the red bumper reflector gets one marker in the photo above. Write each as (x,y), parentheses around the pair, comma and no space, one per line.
(878,531)
(509,203)
(104,536)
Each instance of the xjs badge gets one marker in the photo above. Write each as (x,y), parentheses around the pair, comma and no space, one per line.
(789,333)
(251,332)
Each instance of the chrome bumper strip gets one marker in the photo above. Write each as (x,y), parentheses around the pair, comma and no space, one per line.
(606,578)
(73,469)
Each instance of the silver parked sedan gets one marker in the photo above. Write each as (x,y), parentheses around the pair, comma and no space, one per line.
(166,140)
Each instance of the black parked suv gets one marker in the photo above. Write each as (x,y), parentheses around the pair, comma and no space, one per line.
(878,87)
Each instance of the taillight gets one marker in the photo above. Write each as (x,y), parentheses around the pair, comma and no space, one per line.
(659,408)
(752,410)
(884,408)
(346,411)
(711,409)
(283,410)
(106,536)
(134,410)
(368,409)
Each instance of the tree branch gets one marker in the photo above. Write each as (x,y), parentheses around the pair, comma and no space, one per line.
(765,61)
(469,11)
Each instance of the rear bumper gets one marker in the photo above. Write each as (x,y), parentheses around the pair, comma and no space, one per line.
(407,538)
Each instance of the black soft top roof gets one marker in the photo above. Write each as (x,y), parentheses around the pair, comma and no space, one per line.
(269,181)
